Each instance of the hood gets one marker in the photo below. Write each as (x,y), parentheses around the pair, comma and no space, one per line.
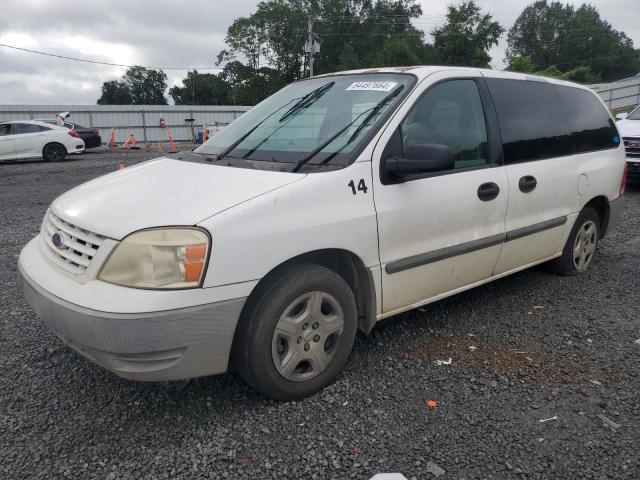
(162,192)
(628,128)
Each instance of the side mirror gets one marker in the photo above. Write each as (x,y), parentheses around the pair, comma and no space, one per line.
(421,158)
(621,116)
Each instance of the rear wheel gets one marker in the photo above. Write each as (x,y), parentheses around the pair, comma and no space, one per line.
(581,245)
(54,152)
(296,333)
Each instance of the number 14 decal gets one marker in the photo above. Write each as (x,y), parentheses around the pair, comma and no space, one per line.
(362,187)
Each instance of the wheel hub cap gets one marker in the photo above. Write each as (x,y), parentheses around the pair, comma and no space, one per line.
(585,245)
(306,336)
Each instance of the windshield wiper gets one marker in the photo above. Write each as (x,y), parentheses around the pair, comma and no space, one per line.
(373,111)
(303,103)
(306,101)
(233,146)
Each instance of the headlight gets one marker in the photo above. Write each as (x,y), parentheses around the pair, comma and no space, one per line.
(168,258)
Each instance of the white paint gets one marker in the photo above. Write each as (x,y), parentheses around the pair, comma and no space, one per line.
(259,219)
(30,145)
(162,192)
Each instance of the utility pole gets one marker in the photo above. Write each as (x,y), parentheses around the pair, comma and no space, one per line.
(310,43)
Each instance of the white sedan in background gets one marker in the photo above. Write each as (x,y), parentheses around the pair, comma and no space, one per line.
(33,139)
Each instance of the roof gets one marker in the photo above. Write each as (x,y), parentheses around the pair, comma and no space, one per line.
(423,71)
(33,122)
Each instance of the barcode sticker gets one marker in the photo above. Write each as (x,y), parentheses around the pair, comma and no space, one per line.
(372,86)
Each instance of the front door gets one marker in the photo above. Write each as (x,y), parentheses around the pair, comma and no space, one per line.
(6,142)
(441,231)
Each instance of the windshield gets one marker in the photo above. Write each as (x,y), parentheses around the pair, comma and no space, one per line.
(312,122)
(635,115)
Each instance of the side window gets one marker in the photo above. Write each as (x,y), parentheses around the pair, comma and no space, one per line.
(42,128)
(592,128)
(450,114)
(5,129)
(22,128)
(532,120)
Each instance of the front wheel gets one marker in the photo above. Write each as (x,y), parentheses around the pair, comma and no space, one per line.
(54,152)
(581,245)
(296,333)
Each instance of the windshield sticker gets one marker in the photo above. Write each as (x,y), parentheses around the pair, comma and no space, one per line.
(381,86)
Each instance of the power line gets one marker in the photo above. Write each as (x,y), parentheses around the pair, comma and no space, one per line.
(96,62)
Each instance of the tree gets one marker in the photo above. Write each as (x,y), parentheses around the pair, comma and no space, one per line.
(201,89)
(467,36)
(115,92)
(249,86)
(567,38)
(353,34)
(138,86)
(147,86)
(519,63)
(364,33)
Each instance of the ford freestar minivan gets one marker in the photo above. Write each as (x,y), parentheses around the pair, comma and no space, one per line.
(337,202)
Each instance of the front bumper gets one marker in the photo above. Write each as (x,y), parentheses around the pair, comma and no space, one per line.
(159,346)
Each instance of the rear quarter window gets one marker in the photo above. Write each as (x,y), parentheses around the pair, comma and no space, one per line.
(592,128)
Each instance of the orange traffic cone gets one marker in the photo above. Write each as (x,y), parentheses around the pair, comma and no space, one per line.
(204,133)
(121,166)
(172,145)
(131,141)
(112,141)
(160,148)
(147,147)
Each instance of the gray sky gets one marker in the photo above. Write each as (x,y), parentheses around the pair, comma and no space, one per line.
(186,33)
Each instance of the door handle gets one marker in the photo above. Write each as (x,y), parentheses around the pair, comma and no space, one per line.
(527,183)
(488,191)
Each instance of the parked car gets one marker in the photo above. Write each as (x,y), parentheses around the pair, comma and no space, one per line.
(629,126)
(338,202)
(91,136)
(32,139)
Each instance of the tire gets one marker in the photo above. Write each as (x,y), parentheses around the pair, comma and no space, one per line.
(54,152)
(290,341)
(581,245)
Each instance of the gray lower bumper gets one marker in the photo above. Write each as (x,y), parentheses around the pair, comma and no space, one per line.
(615,211)
(158,346)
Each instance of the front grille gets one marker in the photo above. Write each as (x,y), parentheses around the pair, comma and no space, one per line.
(632,146)
(78,247)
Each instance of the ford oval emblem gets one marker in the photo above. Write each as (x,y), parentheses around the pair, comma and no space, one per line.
(57,239)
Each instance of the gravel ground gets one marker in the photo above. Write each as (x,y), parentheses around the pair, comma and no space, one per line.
(545,347)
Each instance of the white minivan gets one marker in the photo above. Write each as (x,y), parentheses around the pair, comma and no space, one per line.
(337,202)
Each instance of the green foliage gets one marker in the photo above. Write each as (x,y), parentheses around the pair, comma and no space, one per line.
(522,64)
(466,36)
(249,86)
(147,86)
(582,74)
(115,92)
(201,89)
(561,35)
(139,86)
(354,34)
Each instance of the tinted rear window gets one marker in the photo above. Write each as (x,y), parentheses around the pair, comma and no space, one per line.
(592,128)
(541,120)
